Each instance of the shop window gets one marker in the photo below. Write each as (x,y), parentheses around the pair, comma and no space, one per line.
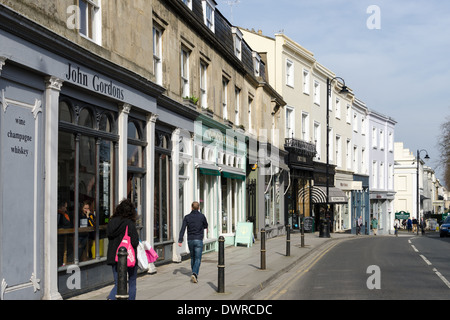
(162,209)
(136,167)
(65,112)
(86,118)
(86,188)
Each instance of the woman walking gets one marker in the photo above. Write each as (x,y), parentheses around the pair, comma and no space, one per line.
(124,216)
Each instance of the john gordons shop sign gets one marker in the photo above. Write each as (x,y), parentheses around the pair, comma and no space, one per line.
(93,82)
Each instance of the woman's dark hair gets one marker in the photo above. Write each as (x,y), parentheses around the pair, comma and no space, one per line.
(126,210)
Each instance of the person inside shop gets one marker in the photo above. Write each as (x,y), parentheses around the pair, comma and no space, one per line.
(65,249)
(86,239)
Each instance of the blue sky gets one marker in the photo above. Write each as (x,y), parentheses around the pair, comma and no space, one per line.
(401,70)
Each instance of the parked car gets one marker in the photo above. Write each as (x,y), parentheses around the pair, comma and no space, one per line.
(444,230)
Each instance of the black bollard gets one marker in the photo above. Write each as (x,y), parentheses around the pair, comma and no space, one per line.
(221,266)
(263,249)
(122,271)
(302,237)
(288,240)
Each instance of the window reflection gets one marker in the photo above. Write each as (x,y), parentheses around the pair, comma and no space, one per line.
(85,186)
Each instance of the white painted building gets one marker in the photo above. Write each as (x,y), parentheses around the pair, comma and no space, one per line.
(381,169)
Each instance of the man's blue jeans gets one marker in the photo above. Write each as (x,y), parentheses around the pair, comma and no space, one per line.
(196,249)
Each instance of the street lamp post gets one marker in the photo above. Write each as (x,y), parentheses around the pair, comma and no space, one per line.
(342,91)
(417,182)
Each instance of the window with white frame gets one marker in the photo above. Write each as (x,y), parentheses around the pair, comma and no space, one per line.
(391,177)
(355,159)
(185,72)
(374,175)
(203,84)
(157,54)
(305,127)
(250,114)
(289,122)
(257,63)
(330,146)
(209,8)
(237,37)
(355,122)
(381,175)
(317,92)
(381,139)
(338,108)
(306,80)
(289,73)
(237,106)
(363,125)
(348,114)
(90,20)
(225,98)
(374,137)
(338,151)
(391,141)
(348,156)
(363,161)
(317,139)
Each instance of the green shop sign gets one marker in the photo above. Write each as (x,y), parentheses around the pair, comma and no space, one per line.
(401,215)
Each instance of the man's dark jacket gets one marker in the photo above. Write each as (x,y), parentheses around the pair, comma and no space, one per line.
(196,224)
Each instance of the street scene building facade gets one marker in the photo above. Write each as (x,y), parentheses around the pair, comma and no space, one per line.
(172,105)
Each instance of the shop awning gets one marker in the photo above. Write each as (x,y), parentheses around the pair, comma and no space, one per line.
(208,170)
(232,173)
(319,195)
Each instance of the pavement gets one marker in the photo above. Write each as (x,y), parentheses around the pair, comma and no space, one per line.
(243,273)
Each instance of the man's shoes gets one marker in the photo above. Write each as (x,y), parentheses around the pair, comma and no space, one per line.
(194,278)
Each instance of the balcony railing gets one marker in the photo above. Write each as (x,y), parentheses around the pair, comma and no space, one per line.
(300,147)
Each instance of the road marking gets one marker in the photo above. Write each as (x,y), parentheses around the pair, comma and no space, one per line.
(415,249)
(442,277)
(282,288)
(426,260)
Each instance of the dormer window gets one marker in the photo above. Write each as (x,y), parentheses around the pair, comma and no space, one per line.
(256,63)
(237,37)
(188,3)
(209,6)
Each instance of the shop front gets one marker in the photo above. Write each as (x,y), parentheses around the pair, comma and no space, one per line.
(84,134)
(220,175)
(328,202)
(360,204)
(298,196)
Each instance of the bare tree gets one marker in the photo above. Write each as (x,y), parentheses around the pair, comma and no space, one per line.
(444,147)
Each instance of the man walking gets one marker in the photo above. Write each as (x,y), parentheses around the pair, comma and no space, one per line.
(374,226)
(196,223)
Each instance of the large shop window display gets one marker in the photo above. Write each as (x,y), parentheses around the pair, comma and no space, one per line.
(86,174)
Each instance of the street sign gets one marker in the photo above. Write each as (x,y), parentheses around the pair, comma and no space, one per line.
(244,233)
(401,215)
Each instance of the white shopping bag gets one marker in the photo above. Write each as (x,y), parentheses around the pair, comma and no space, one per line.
(142,256)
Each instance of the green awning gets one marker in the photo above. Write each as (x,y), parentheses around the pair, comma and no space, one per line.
(209,172)
(233,176)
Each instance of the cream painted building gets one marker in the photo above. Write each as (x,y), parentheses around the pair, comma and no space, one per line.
(100,87)
(405,177)
(302,80)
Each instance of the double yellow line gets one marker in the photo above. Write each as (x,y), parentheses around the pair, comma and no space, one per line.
(283,287)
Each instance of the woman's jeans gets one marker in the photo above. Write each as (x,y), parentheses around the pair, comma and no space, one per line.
(132,276)
(196,249)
